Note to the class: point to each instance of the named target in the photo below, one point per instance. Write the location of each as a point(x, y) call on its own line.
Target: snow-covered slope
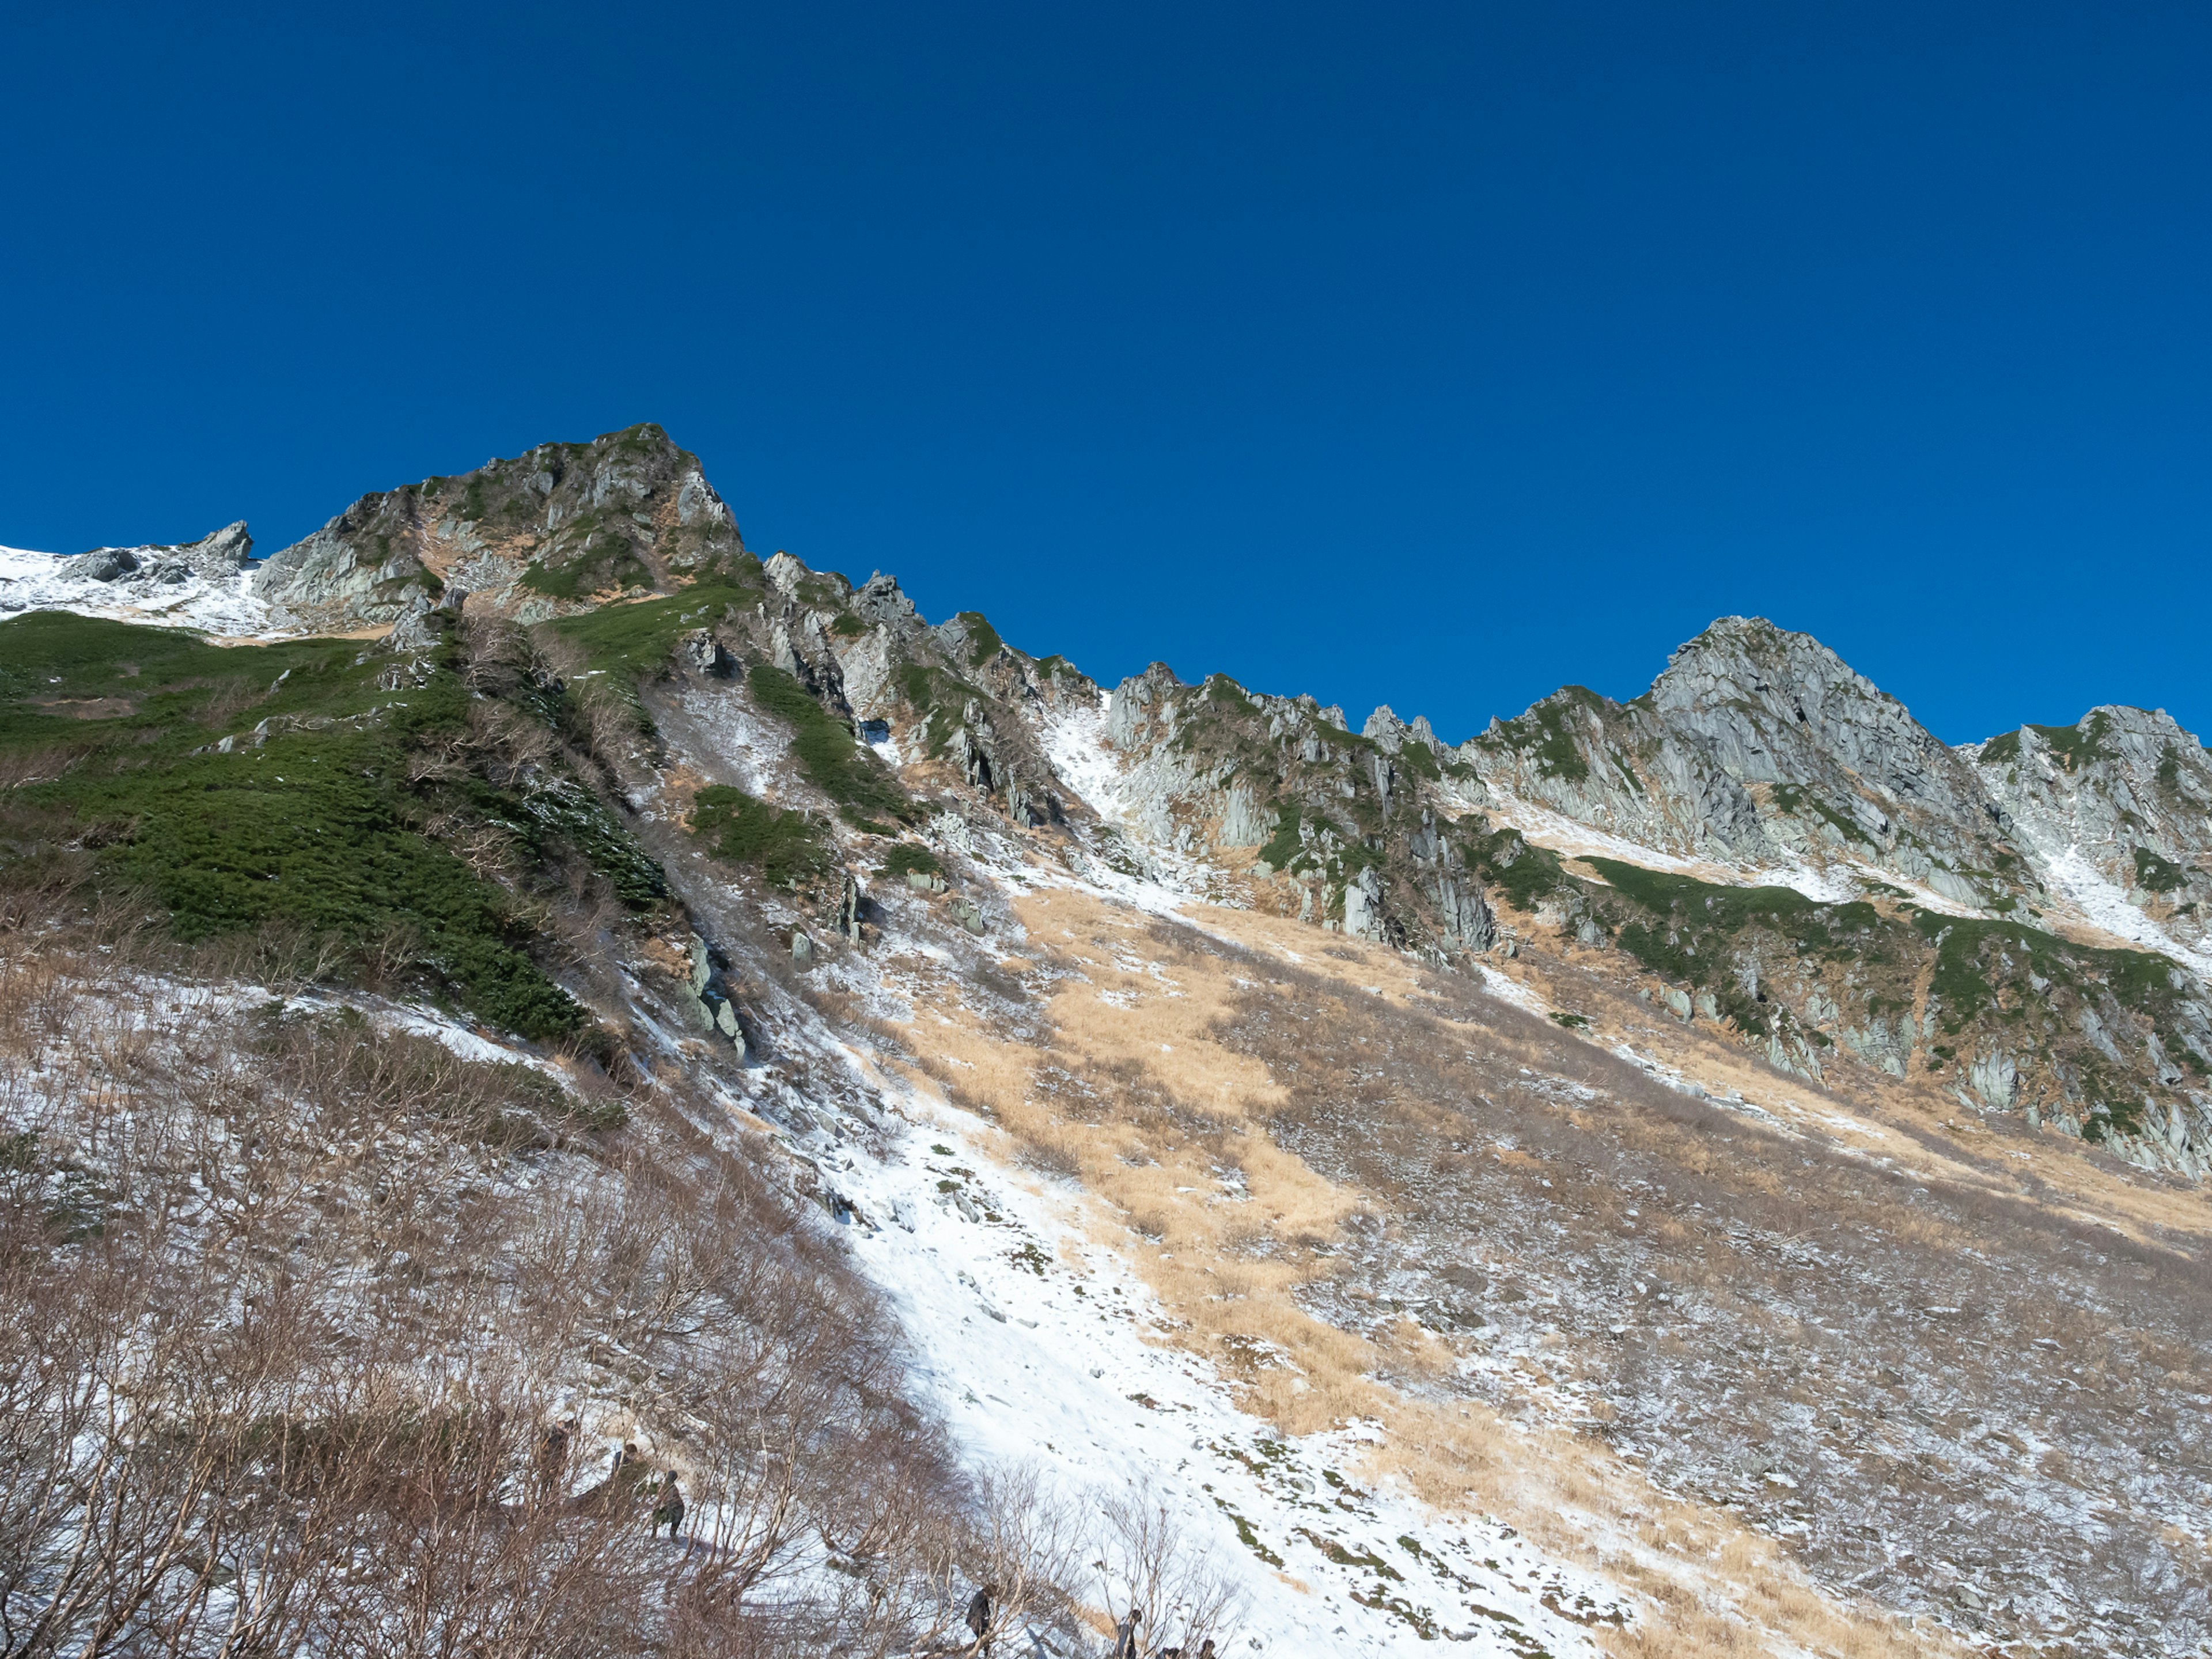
point(207, 585)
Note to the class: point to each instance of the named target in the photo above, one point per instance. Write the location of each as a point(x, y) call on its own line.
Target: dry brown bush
point(288, 1304)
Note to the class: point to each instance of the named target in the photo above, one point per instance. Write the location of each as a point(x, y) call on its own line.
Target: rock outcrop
point(546, 533)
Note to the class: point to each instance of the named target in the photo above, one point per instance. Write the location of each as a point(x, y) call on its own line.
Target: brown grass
point(1134, 1094)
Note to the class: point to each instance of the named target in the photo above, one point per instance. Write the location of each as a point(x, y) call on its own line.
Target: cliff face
point(545, 534)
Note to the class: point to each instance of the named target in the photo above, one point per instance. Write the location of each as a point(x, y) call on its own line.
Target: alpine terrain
point(565, 1089)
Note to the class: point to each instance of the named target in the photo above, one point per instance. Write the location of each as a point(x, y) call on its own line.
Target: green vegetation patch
point(1421, 760)
point(983, 641)
point(2155, 875)
point(1545, 730)
point(788, 847)
point(2077, 746)
point(1975, 957)
point(608, 563)
point(1285, 844)
point(911, 858)
point(837, 762)
point(635, 639)
point(1788, 797)
point(1517, 868)
point(562, 812)
point(1690, 930)
point(1220, 689)
point(2001, 751)
point(317, 828)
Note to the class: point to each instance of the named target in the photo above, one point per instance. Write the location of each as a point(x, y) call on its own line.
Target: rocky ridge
point(543, 535)
point(1764, 839)
point(205, 584)
point(757, 826)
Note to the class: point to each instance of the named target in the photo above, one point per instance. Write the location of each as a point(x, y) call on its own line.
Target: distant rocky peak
point(1748, 660)
point(1391, 735)
point(880, 601)
point(548, 533)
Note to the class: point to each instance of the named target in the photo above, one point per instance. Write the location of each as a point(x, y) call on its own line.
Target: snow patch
point(173, 596)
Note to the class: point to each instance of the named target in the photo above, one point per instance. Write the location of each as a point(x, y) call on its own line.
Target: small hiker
point(553, 1450)
point(628, 1454)
point(1128, 1641)
point(671, 1507)
point(979, 1619)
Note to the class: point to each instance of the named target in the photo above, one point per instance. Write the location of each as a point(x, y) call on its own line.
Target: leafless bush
point(288, 1306)
point(1151, 1573)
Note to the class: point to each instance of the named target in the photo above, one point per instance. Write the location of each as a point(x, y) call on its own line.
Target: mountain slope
point(1715, 1172)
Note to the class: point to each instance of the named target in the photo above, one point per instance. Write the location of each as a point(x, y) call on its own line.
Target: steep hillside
point(1719, 1173)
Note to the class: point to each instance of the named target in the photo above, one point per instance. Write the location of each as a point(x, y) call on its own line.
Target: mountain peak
point(547, 533)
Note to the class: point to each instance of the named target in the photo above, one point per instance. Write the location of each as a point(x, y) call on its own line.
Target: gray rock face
point(2124, 794)
point(534, 537)
point(1761, 746)
point(880, 604)
point(1363, 905)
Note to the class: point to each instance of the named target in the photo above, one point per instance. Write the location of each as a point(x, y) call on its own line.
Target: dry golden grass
point(1910, 1120)
point(1227, 1264)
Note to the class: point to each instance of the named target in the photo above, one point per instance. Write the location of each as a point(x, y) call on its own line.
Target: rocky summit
point(515, 990)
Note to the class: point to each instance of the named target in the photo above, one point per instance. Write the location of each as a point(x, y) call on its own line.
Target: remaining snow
point(1164, 879)
point(2105, 905)
point(224, 605)
point(1512, 991)
point(1038, 1350)
point(1564, 836)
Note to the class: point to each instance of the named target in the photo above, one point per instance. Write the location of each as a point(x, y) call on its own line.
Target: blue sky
point(1427, 354)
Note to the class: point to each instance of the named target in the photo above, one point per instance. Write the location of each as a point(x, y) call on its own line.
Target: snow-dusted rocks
point(206, 584)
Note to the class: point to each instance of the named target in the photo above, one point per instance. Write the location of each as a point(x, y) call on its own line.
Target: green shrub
point(911, 858)
point(1285, 845)
point(2154, 875)
point(843, 768)
point(1544, 730)
point(317, 828)
point(2077, 746)
point(629, 640)
point(788, 847)
point(984, 641)
point(1518, 869)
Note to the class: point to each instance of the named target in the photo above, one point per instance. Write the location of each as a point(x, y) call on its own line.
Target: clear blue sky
point(1433, 355)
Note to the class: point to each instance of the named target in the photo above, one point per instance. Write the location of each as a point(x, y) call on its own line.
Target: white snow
point(2102, 904)
point(1040, 1349)
point(1074, 740)
point(225, 605)
point(1512, 991)
point(1562, 834)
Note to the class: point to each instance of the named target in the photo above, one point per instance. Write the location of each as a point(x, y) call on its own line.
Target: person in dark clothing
point(670, 1509)
point(553, 1451)
point(979, 1619)
point(1128, 1641)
